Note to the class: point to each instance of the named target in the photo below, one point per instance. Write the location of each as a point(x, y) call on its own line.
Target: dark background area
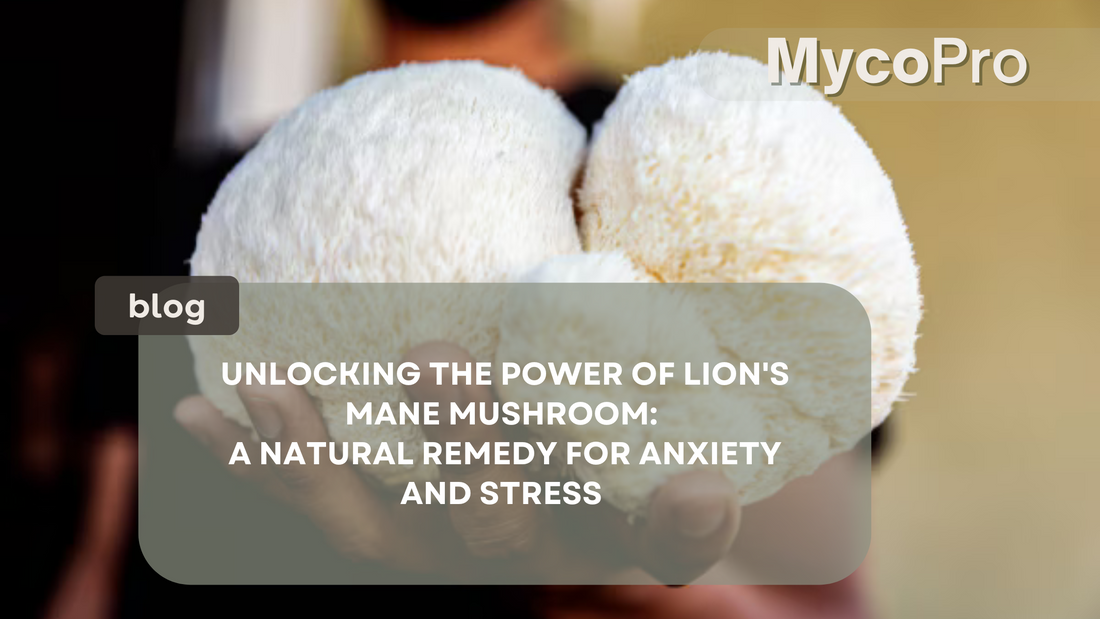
point(92, 90)
point(93, 87)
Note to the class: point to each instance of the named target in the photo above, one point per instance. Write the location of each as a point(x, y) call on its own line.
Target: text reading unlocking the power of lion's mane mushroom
point(509, 413)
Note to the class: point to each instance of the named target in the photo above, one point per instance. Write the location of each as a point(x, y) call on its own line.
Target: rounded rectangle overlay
point(410, 419)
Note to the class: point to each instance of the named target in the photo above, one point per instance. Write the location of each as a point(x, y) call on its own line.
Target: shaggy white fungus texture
point(443, 172)
point(701, 171)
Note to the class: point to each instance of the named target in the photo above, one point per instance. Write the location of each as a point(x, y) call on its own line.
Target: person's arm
point(88, 586)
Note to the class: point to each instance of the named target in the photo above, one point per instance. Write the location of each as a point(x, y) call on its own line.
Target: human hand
point(691, 525)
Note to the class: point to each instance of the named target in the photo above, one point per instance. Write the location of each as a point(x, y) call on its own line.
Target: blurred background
point(987, 498)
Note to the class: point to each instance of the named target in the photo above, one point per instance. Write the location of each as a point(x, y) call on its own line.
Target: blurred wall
point(988, 502)
point(247, 62)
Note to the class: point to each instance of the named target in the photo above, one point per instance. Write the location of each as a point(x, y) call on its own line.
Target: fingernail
point(265, 417)
point(700, 520)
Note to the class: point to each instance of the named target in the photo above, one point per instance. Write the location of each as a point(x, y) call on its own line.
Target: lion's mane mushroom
point(702, 171)
point(441, 172)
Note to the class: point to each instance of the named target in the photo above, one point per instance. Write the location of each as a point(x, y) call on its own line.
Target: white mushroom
point(701, 171)
point(443, 172)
